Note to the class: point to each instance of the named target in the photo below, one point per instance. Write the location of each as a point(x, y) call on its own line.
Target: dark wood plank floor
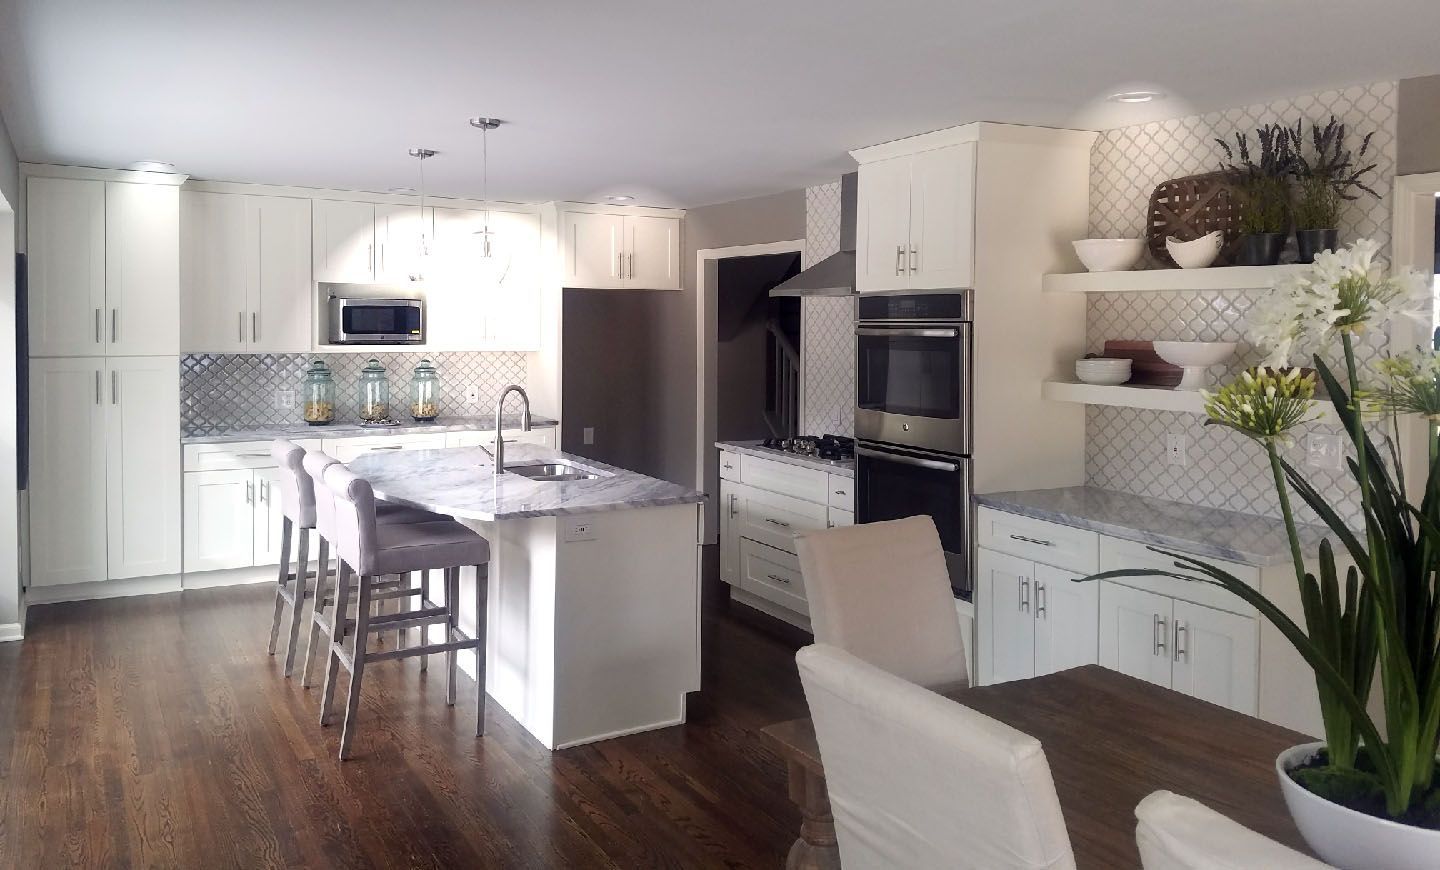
point(156, 732)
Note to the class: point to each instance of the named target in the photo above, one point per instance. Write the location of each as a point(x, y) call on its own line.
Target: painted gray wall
point(609, 373)
point(1417, 148)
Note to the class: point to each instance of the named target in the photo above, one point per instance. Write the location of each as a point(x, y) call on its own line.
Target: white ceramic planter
point(1348, 839)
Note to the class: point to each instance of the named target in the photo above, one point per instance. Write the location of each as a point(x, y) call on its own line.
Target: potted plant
point(1368, 796)
point(1325, 181)
point(1264, 188)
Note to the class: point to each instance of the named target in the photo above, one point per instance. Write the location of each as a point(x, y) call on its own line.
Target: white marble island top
point(295, 431)
point(461, 482)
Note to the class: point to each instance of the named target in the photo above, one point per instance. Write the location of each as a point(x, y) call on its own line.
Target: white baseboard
point(231, 577)
point(755, 602)
point(11, 631)
point(103, 589)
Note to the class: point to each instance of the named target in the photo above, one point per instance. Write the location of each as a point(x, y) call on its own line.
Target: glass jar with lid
point(374, 393)
point(425, 392)
point(317, 394)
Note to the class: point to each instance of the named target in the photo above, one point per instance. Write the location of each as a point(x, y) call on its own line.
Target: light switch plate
point(1324, 451)
point(1176, 450)
point(579, 530)
point(589, 434)
point(472, 394)
point(284, 399)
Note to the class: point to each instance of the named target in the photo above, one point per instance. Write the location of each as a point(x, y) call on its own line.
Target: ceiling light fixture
point(491, 268)
point(422, 255)
point(621, 197)
point(152, 166)
point(1135, 97)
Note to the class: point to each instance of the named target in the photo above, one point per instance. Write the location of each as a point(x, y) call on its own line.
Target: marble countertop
point(842, 468)
point(1220, 534)
point(355, 430)
point(461, 482)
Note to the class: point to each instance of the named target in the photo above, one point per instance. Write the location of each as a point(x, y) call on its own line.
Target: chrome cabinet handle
point(1159, 635)
point(779, 579)
point(390, 447)
point(114, 387)
point(733, 500)
point(114, 325)
point(254, 326)
point(370, 255)
point(97, 386)
point(264, 492)
point(841, 492)
point(1024, 590)
point(1180, 642)
point(620, 264)
point(899, 260)
point(728, 467)
point(240, 326)
point(914, 261)
point(1039, 600)
point(632, 265)
point(99, 338)
point(1039, 541)
point(249, 492)
point(779, 523)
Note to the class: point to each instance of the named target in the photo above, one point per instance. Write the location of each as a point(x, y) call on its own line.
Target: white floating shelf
point(1213, 278)
point(1152, 398)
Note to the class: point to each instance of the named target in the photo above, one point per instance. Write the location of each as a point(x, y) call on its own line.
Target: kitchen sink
point(551, 471)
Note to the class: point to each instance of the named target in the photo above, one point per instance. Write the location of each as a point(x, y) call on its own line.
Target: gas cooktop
point(836, 448)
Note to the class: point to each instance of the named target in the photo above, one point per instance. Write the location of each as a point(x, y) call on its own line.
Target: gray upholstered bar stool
point(371, 551)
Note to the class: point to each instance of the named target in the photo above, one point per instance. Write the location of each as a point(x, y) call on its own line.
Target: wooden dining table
point(1110, 740)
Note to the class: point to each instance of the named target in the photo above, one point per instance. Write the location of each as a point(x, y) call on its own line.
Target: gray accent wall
point(1418, 142)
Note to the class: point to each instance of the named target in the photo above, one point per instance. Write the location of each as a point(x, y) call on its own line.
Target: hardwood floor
point(156, 732)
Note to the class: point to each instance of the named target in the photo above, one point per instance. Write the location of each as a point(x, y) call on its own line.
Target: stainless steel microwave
point(376, 321)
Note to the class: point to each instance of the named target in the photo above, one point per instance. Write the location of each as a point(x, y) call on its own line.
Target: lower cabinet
point(1039, 620)
point(1202, 651)
point(232, 519)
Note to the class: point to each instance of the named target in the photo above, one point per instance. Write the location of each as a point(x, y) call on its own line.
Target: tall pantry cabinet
point(103, 324)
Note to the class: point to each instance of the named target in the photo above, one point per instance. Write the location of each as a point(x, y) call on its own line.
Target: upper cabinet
point(620, 251)
point(482, 287)
point(104, 267)
point(400, 230)
point(916, 221)
point(343, 241)
point(245, 269)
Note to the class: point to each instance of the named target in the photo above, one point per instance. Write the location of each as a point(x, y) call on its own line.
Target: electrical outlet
point(589, 434)
point(1176, 448)
point(1324, 451)
point(284, 399)
point(472, 394)
point(579, 530)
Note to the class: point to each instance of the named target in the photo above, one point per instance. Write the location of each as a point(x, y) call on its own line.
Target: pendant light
point(422, 255)
point(491, 264)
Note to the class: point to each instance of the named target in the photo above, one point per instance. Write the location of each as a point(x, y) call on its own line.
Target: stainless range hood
point(834, 275)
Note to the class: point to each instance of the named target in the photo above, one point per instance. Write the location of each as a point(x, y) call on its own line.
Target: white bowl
point(1195, 357)
point(1196, 254)
point(1105, 372)
point(1109, 255)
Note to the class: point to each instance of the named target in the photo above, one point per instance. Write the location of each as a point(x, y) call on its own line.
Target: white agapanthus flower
point(1342, 291)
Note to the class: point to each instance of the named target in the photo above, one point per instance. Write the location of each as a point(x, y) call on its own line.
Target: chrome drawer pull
point(1180, 645)
point(782, 525)
point(1032, 540)
point(784, 580)
point(1159, 635)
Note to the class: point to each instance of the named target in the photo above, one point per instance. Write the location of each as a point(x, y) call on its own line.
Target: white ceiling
point(679, 102)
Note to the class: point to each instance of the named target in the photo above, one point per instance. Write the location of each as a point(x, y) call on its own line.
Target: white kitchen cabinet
point(543, 437)
point(1215, 656)
point(65, 240)
point(67, 471)
point(1037, 620)
point(348, 449)
point(343, 241)
point(1067, 630)
point(773, 575)
point(730, 529)
point(841, 517)
point(1135, 632)
point(142, 469)
point(219, 520)
point(269, 517)
point(608, 251)
point(105, 268)
point(245, 267)
point(475, 305)
point(399, 230)
point(916, 221)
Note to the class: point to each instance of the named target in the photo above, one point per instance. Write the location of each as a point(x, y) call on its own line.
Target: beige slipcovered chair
point(919, 781)
point(881, 591)
point(1177, 833)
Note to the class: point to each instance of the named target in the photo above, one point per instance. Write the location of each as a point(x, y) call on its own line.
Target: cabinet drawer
point(793, 480)
point(346, 449)
point(775, 519)
point(1048, 543)
point(840, 517)
point(479, 438)
point(729, 465)
point(773, 575)
point(842, 492)
point(1116, 553)
point(236, 454)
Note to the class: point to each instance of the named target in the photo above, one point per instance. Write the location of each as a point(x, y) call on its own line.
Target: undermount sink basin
point(551, 471)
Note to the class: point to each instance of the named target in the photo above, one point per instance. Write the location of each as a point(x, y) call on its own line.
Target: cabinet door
point(214, 271)
point(142, 269)
point(942, 218)
point(279, 290)
point(730, 492)
point(841, 517)
point(593, 250)
point(143, 467)
point(400, 230)
point(343, 241)
point(652, 256)
point(1067, 621)
point(774, 519)
point(67, 471)
point(219, 520)
point(1135, 632)
point(269, 514)
point(512, 308)
point(882, 229)
point(65, 238)
point(1216, 656)
point(1007, 630)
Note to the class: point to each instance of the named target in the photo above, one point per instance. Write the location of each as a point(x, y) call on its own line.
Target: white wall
point(9, 496)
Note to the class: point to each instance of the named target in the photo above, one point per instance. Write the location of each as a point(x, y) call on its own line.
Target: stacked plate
point(1103, 371)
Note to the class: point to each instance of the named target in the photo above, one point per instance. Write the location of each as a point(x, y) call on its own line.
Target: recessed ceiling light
point(621, 197)
point(152, 166)
point(1135, 97)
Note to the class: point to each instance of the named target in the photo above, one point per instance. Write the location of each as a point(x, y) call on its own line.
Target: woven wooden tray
point(1188, 208)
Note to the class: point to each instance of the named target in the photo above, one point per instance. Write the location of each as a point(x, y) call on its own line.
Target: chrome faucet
point(499, 454)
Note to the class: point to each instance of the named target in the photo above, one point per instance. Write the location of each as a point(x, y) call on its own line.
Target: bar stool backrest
point(354, 537)
point(297, 492)
point(314, 465)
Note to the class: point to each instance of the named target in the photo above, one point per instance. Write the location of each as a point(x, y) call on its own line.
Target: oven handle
point(903, 459)
point(914, 331)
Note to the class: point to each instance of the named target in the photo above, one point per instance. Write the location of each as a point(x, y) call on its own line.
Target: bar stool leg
point(285, 531)
point(400, 638)
point(337, 637)
point(482, 592)
point(357, 667)
point(302, 568)
point(452, 604)
point(424, 629)
point(322, 577)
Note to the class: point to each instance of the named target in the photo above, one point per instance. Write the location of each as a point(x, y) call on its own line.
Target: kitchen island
point(594, 598)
